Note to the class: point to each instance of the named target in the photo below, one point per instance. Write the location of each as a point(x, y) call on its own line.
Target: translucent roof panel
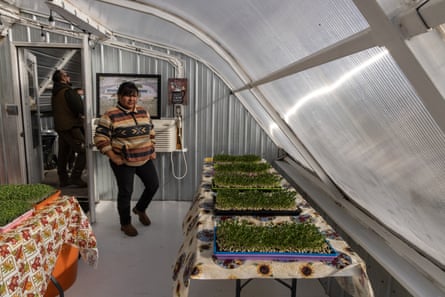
point(264, 119)
point(365, 125)
point(267, 35)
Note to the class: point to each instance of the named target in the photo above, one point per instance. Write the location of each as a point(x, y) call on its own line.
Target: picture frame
point(149, 86)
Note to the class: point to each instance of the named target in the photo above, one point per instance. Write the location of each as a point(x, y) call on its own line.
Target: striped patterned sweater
point(128, 133)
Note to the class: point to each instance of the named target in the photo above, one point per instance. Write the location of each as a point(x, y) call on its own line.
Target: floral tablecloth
point(29, 251)
point(196, 260)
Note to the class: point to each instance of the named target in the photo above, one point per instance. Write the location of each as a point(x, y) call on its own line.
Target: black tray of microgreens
point(246, 180)
point(225, 158)
point(232, 202)
point(242, 167)
point(239, 239)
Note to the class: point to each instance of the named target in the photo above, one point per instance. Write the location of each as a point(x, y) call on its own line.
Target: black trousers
point(69, 141)
point(125, 182)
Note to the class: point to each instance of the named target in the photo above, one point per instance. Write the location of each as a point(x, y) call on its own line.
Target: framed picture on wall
point(149, 86)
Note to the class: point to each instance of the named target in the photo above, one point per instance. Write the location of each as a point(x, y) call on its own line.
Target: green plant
point(242, 236)
point(16, 200)
point(246, 180)
point(236, 158)
point(11, 210)
point(33, 192)
point(242, 167)
point(233, 199)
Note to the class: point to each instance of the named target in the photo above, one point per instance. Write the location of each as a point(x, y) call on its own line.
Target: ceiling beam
point(59, 65)
point(388, 34)
point(80, 19)
point(351, 45)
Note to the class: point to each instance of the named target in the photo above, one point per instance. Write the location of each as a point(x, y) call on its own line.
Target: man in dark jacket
point(67, 107)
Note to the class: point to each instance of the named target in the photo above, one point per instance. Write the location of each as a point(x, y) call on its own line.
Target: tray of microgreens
point(19, 199)
point(246, 180)
point(242, 167)
point(256, 202)
point(225, 158)
point(241, 239)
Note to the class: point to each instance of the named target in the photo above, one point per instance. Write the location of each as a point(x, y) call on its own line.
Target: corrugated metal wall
point(214, 122)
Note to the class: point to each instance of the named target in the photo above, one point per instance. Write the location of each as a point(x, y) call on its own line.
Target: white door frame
point(28, 82)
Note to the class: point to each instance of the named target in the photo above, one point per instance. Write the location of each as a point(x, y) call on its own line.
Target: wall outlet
point(178, 110)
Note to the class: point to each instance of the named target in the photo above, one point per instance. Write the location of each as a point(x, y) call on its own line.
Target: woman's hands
point(115, 158)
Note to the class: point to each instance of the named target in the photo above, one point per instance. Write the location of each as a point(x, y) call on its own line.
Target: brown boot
point(129, 230)
point(143, 218)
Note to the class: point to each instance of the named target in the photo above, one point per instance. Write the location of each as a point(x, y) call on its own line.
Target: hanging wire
point(42, 34)
point(51, 20)
point(173, 164)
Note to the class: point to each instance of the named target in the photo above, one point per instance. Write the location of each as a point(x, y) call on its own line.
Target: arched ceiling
point(243, 40)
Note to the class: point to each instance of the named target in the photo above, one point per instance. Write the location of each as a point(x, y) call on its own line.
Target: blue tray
point(280, 256)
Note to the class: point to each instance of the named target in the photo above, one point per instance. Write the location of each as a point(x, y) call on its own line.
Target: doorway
point(36, 66)
point(31, 116)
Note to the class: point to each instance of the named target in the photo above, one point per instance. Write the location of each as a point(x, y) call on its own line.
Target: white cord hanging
point(173, 166)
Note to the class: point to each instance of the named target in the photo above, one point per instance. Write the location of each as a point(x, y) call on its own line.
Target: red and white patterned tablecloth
point(29, 251)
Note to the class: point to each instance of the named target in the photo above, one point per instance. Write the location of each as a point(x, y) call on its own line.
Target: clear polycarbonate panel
point(264, 119)
point(267, 35)
point(364, 123)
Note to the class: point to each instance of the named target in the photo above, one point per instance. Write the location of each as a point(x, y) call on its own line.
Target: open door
point(35, 82)
point(31, 115)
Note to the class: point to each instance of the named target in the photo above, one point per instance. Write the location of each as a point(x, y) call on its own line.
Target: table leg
point(292, 287)
point(240, 286)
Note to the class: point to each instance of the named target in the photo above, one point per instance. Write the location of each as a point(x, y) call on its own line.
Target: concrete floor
point(142, 265)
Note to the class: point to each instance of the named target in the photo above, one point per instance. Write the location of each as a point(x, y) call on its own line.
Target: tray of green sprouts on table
point(240, 238)
point(248, 185)
point(17, 202)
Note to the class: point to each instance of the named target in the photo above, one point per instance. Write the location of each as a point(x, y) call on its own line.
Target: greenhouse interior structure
point(345, 99)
